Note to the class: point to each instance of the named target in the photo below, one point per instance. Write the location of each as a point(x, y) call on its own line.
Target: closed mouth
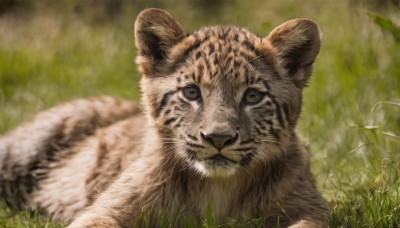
point(219, 159)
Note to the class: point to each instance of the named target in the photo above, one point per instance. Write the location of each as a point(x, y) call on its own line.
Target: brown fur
point(221, 107)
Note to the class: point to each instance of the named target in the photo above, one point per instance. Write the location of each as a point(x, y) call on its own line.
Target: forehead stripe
point(190, 49)
point(195, 46)
point(266, 85)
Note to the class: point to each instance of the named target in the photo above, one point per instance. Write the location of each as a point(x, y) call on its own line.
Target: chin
point(215, 170)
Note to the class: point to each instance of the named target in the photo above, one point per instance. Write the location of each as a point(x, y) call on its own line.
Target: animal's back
point(88, 168)
point(51, 160)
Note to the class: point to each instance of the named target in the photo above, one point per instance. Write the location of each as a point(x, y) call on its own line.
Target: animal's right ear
point(156, 32)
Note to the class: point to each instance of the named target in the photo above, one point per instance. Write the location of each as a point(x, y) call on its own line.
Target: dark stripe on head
point(278, 113)
point(268, 94)
point(249, 59)
point(249, 46)
point(266, 84)
point(245, 160)
point(191, 154)
point(178, 124)
point(192, 137)
point(195, 46)
point(259, 108)
point(223, 35)
point(208, 65)
point(258, 53)
point(189, 50)
point(236, 63)
point(200, 70)
point(216, 61)
point(193, 145)
point(246, 75)
point(252, 79)
point(229, 49)
point(259, 131)
point(286, 111)
point(274, 132)
point(163, 102)
point(211, 48)
point(269, 122)
point(169, 121)
point(198, 55)
point(246, 141)
point(257, 61)
point(243, 149)
point(236, 37)
point(259, 123)
point(278, 108)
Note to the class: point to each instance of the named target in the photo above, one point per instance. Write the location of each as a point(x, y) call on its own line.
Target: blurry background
point(53, 51)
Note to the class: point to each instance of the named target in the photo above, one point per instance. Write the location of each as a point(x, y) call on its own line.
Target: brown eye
point(253, 96)
point(191, 92)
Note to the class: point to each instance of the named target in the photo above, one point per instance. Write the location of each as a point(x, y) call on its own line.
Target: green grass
point(351, 112)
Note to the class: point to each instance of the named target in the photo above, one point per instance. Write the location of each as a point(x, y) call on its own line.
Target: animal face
point(225, 99)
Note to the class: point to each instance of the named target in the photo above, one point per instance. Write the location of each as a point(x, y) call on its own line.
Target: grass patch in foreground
point(21, 219)
point(185, 220)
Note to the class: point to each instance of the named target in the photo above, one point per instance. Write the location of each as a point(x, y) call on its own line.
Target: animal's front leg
point(122, 203)
point(107, 212)
point(94, 220)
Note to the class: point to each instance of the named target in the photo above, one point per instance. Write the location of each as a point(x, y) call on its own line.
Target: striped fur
point(221, 106)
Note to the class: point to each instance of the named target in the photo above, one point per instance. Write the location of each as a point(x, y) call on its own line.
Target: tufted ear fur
point(296, 45)
point(156, 31)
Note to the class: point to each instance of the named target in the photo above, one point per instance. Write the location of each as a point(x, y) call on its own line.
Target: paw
point(94, 221)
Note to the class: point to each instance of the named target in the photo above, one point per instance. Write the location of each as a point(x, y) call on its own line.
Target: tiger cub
point(218, 131)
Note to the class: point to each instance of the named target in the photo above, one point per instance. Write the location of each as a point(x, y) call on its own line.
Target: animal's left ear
point(296, 45)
